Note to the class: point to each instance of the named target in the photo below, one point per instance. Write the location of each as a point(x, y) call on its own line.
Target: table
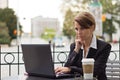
point(23, 77)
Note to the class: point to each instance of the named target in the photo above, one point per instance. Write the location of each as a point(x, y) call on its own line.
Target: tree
point(48, 34)
point(68, 28)
point(73, 5)
point(8, 16)
point(4, 34)
point(70, 8)
point(112, 9)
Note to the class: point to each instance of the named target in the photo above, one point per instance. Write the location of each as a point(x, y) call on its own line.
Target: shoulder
point(72, 45)
point(102, 44)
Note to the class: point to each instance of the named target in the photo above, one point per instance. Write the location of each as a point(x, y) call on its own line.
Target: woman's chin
point(82, 41)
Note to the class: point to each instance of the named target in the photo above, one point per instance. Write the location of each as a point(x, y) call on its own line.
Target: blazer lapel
point(91, 53)
point(81, 54)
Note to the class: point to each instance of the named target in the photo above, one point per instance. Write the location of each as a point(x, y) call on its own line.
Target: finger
point(57, 70)
point(78, 41)
point(26, 74)
point(57, 73)
point(76, 37)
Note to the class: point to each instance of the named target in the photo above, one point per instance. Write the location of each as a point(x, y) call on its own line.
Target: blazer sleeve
point(73, 58)
point(101, 60)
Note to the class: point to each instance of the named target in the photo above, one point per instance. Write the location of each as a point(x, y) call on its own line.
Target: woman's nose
point(79, 31)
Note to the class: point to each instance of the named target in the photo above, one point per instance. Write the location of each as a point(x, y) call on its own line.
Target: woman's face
point(83, 34)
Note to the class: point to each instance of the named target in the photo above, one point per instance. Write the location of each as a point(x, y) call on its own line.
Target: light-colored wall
point(38, 24)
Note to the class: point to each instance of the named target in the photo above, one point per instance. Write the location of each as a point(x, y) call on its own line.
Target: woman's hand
point(78, 44)
point(60, 70)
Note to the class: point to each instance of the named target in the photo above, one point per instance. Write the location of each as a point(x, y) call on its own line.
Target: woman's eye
point(76, 29)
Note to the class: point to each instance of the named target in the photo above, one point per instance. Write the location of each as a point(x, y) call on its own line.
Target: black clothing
point(100, 56)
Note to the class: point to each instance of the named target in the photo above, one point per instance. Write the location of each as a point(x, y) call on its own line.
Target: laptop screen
point(38, 59)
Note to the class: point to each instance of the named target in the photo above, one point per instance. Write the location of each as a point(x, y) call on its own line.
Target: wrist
point(69, 69)
point(76, 50)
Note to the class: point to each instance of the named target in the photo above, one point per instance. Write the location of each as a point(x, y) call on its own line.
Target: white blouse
point(92, 45)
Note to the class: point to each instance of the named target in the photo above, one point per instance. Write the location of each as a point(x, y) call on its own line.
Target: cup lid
point(88, 60)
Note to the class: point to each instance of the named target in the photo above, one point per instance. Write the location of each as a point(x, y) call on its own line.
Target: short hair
point(85, 20)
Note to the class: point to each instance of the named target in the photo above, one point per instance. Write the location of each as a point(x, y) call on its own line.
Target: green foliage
point(114, 11)
point(74, 5)
point(71, 8)
point(109, 27)
point(8, 16)
point(68, 29)
point(48, 34)
point(4, 34)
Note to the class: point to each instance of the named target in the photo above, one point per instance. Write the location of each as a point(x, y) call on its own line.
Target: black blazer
point(100, 56)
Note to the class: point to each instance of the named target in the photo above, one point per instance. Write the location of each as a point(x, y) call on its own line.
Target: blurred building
point(3, 3)
point(38, 24)
point(95, 7)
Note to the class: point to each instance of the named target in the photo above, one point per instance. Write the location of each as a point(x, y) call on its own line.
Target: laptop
point(38, 61)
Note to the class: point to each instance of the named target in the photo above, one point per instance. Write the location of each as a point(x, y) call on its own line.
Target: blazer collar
point(93, 43)
point(91, 53)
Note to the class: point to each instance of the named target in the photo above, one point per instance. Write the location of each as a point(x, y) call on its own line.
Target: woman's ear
point(93, 26)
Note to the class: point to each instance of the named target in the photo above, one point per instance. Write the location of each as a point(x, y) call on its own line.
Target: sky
point(27, 9)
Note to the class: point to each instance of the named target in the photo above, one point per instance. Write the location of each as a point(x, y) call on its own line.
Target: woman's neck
point(88, 42)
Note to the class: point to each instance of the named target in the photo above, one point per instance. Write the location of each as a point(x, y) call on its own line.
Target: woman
point(86, 45)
